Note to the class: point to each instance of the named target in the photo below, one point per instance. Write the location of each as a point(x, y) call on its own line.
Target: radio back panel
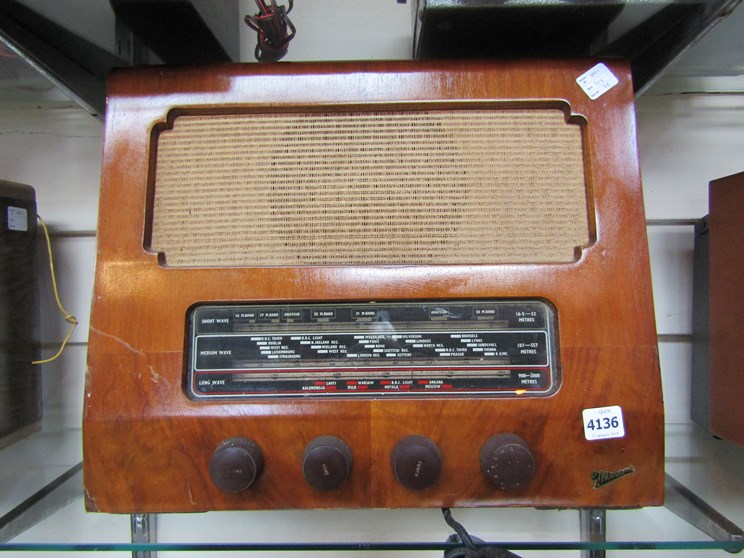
point(400, 284)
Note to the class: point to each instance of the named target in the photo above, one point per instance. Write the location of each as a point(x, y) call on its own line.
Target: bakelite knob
point(417, 462)
point(235, 464)
point(506, 459)
point(326, 462)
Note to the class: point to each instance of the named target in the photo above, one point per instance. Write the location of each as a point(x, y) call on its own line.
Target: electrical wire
point(458, 528)
point(69, 318)
point(274, 29)
point(472, 547)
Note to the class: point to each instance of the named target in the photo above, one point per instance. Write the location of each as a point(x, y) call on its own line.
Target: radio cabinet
point(371, 285)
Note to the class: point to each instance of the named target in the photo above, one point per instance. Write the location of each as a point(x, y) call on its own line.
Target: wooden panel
point(147, 446)
point(726, 280)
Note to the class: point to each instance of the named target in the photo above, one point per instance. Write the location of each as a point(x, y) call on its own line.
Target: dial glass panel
point(402, 349)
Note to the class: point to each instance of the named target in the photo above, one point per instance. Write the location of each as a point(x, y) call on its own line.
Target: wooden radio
point(398, 284)
point(717, 350)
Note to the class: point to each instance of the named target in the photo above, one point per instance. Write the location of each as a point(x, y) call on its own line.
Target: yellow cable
point(69, 318)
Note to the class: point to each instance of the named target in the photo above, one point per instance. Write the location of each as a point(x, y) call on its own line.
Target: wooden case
point(147, 445)
point(718, 306)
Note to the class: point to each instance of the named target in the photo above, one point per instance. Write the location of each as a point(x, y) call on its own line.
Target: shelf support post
point(593, 529)
point(144, 531)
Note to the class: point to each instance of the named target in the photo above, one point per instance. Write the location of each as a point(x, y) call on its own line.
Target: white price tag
point(603, 423)
point(597, 81)
point(17, 219)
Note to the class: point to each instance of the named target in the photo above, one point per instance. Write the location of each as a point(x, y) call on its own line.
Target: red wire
point(274, 29)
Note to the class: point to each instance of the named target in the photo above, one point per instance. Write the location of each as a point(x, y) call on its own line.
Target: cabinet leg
point(593, 529)
point(144, 530)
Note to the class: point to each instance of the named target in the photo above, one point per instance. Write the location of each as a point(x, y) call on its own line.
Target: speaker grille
point(398, 187)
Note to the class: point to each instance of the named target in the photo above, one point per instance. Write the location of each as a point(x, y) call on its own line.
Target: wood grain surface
point(147, 446)
point(726, 270)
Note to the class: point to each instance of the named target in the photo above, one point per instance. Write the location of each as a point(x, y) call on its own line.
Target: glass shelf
point(713, 469)
point(651, 34)
point(368, 547)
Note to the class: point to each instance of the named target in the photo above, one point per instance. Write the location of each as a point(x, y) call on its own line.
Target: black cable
point(458, 528)
point(474, 547)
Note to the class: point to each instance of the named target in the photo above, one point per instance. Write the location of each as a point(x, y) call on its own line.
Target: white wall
point(685, 141)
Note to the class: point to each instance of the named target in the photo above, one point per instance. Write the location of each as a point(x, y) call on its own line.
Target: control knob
point(506, 459)
point(326, 462)
point(417, 462)
point(235, 464)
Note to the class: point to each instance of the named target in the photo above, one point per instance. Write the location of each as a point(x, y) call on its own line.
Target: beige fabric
point(403, 187)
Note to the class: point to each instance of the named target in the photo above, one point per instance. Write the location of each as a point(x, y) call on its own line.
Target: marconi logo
point(602, 478)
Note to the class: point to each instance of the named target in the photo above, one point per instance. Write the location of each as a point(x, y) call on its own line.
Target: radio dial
point(417, 462)
point(506, 459)
point(326, 462)
point(235, 464)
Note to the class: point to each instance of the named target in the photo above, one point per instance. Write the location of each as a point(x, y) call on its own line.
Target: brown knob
point(326, 462)
point(416, 462)
point(235, 464)
point(506, 459)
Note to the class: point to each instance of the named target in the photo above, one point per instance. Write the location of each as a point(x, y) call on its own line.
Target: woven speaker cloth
point(367, 188)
